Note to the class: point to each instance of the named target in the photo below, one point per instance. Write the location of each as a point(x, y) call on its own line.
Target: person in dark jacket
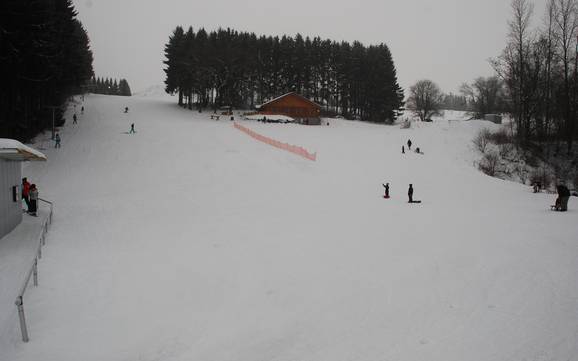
point(74, 119)
point(563, 196)
point(409, 144)
point(402, 149)
point(410, 193)
point(386, 186)
point(33, 200)
point(57, 141)
point(25, 193)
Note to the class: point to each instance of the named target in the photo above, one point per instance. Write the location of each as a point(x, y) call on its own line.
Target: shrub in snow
point(482, 139)
point(506, 150)
point(500, 137)
point(489, 163)
point(541, 176)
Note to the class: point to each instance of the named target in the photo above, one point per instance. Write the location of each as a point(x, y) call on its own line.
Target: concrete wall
point(10, 211)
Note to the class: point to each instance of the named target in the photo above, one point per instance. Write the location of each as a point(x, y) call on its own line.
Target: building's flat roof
point(12, 149)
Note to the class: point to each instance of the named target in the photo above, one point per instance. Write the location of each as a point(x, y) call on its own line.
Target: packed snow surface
point(191, 241)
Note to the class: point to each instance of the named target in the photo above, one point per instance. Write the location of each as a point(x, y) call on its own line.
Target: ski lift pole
point(53, 107)
point(23, 329)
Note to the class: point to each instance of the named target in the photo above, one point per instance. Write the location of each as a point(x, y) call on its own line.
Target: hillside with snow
point(190, 240)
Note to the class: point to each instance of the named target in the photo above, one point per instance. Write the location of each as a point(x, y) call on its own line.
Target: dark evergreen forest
point(109, 86)
point(44, 59)
point(239, 69)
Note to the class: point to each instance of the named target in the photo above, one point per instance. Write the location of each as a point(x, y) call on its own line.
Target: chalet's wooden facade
point(293, 105)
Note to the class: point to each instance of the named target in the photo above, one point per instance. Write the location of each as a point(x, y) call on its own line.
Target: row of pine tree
point(109, 86)
point(45, 58)
point(230, 68)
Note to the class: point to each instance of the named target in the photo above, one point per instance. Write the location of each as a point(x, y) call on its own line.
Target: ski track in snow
point(191, 241)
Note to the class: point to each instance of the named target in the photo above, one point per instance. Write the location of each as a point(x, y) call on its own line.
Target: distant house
point(295, 106)
point(12, 154)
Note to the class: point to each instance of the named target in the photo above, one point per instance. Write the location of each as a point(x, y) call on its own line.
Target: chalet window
point(15, 193)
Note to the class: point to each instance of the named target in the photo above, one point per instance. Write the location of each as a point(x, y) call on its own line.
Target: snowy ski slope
point(190, 240)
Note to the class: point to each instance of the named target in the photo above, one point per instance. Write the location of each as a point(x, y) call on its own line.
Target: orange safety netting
point(288, 147)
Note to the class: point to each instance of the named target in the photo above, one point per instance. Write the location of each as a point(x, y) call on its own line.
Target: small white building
point(12, 154)
point(495, 118)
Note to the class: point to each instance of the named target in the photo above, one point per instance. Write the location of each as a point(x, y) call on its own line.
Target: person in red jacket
point(26, 193)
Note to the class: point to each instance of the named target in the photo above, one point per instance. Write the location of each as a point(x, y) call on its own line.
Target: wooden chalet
point(295, 106)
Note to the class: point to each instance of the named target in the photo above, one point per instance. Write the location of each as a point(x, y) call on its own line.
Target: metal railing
point(33, 271)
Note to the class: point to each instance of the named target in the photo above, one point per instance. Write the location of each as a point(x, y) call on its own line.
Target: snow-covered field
point(190, 240)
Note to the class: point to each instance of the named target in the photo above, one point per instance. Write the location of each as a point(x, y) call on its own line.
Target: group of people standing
point(409, 143)
point(410, 188)
point(409, 193)
point(30, 196)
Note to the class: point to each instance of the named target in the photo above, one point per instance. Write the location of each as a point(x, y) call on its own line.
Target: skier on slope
point(57, 141)
point(409, 144)
point(410, 193)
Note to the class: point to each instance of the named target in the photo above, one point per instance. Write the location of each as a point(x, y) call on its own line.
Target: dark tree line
point(539, 72)
point(453, 101)
point(226, 67)
point(44, 59)
point(109, 86)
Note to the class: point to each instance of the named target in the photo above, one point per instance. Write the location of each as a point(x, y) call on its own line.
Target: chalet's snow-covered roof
point(14, 150)
point(284, 95)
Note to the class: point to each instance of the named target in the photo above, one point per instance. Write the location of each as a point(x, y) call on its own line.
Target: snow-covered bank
point(190, 241)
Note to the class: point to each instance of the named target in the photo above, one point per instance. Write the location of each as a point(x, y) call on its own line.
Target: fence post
point(20, 305)
point(35, 272)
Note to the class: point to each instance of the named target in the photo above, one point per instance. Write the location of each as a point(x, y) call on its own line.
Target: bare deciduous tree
point(484, 94)
point(566, 26)
point(512, 65)
point(425, 99)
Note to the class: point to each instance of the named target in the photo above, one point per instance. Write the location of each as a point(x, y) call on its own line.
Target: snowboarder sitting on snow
point(562, 200)
point(126, 109)
point(386, 186)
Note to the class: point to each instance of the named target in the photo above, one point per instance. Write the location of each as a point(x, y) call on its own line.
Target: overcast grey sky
point(447, 41)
